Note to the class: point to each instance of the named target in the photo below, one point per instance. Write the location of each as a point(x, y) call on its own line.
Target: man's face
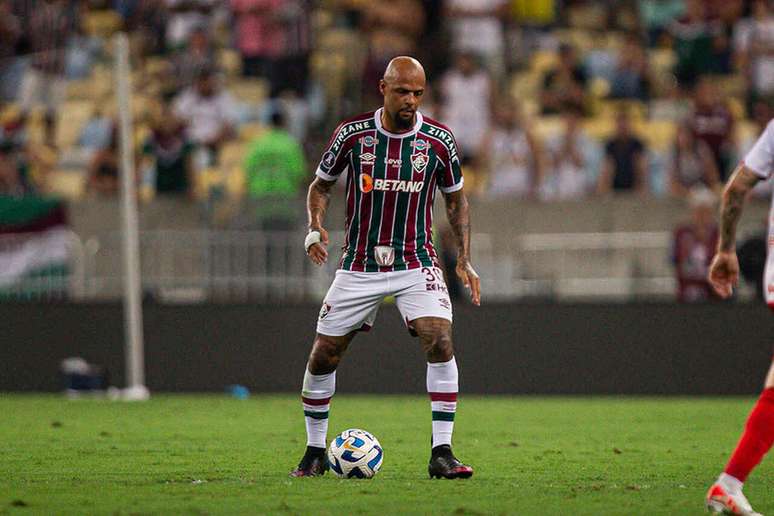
point(402, 97)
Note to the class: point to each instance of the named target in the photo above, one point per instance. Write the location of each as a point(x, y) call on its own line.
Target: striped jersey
point(391, 184)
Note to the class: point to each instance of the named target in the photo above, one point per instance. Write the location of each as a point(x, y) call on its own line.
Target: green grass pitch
point(217, 455)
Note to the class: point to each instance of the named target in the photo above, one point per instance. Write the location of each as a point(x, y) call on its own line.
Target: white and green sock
point(442, 386)
point(316, 397)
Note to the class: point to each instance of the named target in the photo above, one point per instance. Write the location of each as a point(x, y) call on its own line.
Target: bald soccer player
point(725, 495)
point(396, 158)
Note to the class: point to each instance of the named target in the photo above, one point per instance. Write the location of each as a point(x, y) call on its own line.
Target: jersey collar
point(412, 132)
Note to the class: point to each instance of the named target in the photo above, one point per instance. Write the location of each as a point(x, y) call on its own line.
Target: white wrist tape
point(313, 237)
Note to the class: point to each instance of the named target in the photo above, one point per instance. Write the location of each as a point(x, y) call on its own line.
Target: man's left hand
point(470, 279)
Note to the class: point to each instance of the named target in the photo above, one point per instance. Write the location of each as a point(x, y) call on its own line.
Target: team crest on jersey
point(419, 162)
point(367, 158)
point(325, 310)
point(328, 159)
point(420, 145)
point(368, 141)
point(366, 183)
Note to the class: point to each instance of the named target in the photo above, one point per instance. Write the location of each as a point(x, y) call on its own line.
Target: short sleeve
point(334, 159)
point(760, 159)
point(450, 177)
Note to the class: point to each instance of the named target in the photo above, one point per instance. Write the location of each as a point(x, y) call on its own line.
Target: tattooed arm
point(724, 270)
point(458, 213)
point(316, 204)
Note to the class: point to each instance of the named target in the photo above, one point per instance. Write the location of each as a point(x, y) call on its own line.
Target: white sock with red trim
point(442, 386)
point(316, 397)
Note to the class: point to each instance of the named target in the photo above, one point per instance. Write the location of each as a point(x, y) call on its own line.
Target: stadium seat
point(659, 134)
point(250, 90)
point(73, 115)
point(69, 183)
point(542, 61)
point(548, 127)
point(102, 23)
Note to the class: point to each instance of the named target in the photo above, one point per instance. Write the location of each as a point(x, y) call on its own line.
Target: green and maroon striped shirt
point(391, 185)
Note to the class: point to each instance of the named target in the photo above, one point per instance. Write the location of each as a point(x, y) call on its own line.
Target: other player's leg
point(442, 386)
point(726, 495)
point(318, 388)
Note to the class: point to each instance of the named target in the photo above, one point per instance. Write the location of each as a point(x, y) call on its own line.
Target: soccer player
point(726, 495)
point(396, 159)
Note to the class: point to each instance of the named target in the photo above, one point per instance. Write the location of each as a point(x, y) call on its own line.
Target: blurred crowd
point(549, 99)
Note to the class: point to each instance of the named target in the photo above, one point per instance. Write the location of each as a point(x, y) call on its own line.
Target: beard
point(402, 122)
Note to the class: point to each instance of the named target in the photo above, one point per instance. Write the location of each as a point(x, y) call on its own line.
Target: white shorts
point(353, 299)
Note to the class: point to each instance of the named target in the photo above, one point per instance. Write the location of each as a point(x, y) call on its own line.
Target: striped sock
point(316, 399)
point(442, 387)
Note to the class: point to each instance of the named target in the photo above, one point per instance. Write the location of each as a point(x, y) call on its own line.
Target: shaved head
point(403, 85)
point(404, 68)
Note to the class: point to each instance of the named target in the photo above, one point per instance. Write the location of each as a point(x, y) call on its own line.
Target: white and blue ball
point(355, 454)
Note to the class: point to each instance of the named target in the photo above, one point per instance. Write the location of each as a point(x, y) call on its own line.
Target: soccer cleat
point(314, 463)
point(721, 500)
point(443, 464)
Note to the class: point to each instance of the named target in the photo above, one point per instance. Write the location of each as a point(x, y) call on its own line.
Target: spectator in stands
point(656, 16)
point(210, 116)
point(694, 246)
point(477, 28)
point(391, 29)
point(567, 175)
point(49, 29)
point(275, 170)
point(466, 99)
point(691, 164)
point(103, 170)
point(510, 154)
point(713, 123)
point(145, 21)
point(624, 167)
point(259, 37)
point(754, 48)
point(198, 55)
point(695, 42)
point(10, 35)
point(631, 77)
point(292, 70)
point(167, 154)
point(82, 52)
point(184, 16)
point(564, 87)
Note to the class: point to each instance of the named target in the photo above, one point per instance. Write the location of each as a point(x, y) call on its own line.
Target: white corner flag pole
point(135, 364)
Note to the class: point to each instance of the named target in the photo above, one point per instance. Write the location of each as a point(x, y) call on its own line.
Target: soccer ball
point(355, 454)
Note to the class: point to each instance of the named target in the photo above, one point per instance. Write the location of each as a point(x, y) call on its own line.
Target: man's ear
point(382, 86)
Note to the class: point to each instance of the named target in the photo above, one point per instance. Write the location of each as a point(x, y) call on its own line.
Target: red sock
point(757, 438)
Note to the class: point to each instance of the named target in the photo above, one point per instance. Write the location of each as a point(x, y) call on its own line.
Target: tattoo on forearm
point(730, 213)
point(317, 203)
point(459, 218)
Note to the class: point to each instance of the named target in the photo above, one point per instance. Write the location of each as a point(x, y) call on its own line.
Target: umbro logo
point(367, 158)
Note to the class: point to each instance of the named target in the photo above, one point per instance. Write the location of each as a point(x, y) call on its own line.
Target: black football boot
point(443, 464)
point(314, 463)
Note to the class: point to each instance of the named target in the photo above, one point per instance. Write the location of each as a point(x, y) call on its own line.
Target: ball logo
point(368, 141)
point(366, 183)
point(328, 160)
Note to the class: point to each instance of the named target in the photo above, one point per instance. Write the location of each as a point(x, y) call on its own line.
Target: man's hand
point(317, 252)
point(470, 279)
point(724, 273)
